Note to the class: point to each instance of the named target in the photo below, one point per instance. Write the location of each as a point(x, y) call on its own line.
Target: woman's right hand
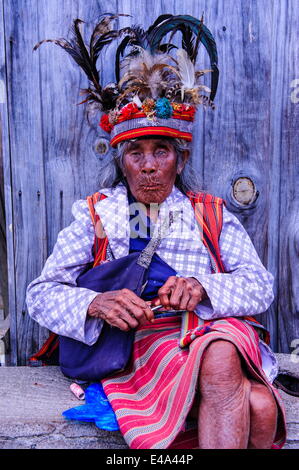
point(121, 308)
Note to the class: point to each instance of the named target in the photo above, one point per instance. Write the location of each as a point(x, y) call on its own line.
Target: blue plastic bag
point(97, 409)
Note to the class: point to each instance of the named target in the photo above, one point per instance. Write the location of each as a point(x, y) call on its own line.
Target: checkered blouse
point(54, 300)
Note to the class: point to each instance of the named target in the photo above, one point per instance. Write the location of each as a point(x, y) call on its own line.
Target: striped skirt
point(153, 396)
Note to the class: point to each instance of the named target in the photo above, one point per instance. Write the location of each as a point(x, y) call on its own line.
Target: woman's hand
point(180, 293)
point(122, 309)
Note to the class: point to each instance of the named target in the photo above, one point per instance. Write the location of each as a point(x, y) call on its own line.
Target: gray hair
point(111, 173)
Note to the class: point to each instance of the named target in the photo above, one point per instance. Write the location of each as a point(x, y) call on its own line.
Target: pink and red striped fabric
point(153, 397)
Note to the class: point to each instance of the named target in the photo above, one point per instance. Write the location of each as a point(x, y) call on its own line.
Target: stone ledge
point(32, 400)
point(288, 363)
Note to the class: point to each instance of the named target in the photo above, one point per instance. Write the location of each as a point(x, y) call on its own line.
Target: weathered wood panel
point(7, 278)
point(3, 249)
point(48, 147)
point(288, 261)
point(29, 224)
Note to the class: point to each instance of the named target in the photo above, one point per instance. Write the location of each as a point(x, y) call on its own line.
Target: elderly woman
point(218, 373)
point(235, 404)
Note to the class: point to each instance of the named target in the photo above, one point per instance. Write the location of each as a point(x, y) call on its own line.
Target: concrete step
point(33, 398)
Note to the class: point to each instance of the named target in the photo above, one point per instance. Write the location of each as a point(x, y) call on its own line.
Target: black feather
point(102, 41)
point(86, 62)
point(158, 21)
point(165, 48)
point(76, 48)
point(119, 53)
point(100, 30)
point(198, 40)
point(202, 33)
point(187, 40)
point(136, 36)
point(103, 34)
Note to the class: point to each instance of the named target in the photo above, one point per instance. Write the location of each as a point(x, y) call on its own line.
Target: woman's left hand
point(180, 293)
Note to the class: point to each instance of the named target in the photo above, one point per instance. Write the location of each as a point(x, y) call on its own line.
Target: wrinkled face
point(150, 167)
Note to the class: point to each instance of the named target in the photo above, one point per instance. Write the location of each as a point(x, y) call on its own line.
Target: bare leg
point(263, 417)
point(224, 412)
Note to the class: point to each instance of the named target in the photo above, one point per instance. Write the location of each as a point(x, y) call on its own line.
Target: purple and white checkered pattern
point(55, 301)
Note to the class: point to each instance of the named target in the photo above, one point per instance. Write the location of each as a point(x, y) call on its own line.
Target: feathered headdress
point(157, 87)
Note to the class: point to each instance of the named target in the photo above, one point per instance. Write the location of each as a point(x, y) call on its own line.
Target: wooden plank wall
point(288, 199)
point(6, 252)
point(3, 249)
point(50, 158)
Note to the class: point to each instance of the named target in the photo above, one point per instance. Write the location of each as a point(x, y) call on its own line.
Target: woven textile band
point(183, 116)
point(133, 128)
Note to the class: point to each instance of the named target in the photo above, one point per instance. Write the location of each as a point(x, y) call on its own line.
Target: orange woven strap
point(100, 242)
point(46, 351)
point(262, 331)
point(208, 212)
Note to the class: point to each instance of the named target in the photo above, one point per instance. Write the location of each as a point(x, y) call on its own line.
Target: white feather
point(137, 101)
point(186, 69)
point(154, 82)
